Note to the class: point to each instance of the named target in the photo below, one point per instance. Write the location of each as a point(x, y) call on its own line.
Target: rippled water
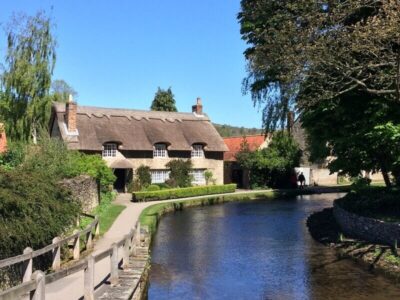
point(254, 250)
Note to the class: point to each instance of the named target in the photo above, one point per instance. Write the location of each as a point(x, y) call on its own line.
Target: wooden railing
point(34, 285)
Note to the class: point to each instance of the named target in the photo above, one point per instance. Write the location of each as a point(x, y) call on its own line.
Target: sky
point(117, 53)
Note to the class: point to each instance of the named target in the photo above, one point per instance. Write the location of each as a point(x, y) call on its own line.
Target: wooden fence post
point(97, 227)
point(89, 240)
point(39, 292)
point(89, 279)
point(56, 255)
point(133, 243)
point(77, 250)
point(138, 234)
point(114, 265)
point(27, 266)
point(125, 257)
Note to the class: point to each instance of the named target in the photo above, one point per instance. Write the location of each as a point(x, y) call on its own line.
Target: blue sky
point(116, 53)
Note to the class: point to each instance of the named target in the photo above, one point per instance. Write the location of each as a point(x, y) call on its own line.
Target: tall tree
point(60, 91)
point(26, 80)
point(350, 46)
point(329, 58)
point(164, 101)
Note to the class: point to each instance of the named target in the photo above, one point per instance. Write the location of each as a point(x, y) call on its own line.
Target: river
point(254, 250)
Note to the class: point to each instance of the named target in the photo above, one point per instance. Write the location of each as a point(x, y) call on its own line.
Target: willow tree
point(26, 81)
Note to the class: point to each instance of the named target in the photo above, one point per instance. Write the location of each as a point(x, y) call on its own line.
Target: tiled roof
point(234, 143)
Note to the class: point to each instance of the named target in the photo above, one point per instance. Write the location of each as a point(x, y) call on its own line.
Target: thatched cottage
point(128, 138)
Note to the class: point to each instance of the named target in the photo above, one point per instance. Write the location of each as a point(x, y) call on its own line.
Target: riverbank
point(151, 215)
point(377, 258)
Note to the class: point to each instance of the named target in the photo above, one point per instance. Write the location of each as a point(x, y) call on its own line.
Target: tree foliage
point(60, 91)
point(179, 175)
point(164, 101)
point(34, 209)
point(30, 59)
point(143, 176)
point(358, 131)
point(343, 46)
point(273, 165)
point(337, 63)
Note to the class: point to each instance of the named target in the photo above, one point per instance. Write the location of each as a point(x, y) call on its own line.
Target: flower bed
point(183, 192)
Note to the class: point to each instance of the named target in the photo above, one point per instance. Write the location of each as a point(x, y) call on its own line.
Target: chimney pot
point(198, 108)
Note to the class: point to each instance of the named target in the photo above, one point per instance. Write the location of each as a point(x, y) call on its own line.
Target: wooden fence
point(33, 284)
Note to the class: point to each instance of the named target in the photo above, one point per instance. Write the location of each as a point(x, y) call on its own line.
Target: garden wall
point(368, 229)
point(85, 190)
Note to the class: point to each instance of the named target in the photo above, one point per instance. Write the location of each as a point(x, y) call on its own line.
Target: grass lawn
point(107, 212)
point(108, 217)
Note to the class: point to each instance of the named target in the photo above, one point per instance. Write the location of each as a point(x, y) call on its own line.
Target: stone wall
point(85, 190)
point(368, 229)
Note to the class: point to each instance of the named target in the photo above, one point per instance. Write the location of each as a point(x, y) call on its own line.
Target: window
point(197, 150)
point(159, 176)
point(160, 150)
point(198, 176)
point(110, 150)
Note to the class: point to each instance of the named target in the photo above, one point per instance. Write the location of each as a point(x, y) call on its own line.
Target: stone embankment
point(348, 242)
point(364, 228)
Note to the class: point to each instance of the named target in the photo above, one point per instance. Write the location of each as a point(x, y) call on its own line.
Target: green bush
point(51, 158)
point(179, 175)
point(375, 202)
point(92, 165)
point(162, 186)
point(33, 209)
point(152, 188)
point(183, 192)
point(143, 176)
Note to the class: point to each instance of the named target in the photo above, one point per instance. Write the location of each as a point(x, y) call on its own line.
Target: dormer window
point(110, 150)
point(197, 150)
point(160, 150)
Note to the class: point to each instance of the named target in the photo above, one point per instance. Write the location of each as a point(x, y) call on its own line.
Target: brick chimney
point(71, 110)
point(198, 108)
point(3, 139)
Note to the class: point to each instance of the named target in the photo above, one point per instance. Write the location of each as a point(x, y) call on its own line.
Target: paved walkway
point(71, 287)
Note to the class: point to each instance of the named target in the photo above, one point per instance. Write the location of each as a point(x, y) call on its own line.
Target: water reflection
point(254, 250)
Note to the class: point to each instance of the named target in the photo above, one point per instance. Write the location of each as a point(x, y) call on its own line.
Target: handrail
point(129, 243)
point(32, 254)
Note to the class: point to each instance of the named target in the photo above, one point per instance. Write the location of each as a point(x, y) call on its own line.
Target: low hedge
point(183, 192)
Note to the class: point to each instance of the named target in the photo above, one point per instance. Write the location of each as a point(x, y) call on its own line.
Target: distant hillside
point(227, 130)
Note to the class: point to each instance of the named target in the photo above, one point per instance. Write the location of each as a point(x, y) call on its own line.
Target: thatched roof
point(137, 129)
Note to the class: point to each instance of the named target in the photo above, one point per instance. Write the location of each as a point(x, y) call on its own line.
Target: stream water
point(254, 250)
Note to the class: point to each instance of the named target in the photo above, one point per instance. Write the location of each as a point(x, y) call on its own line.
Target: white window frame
point(109, 150)
point(159, 176)
point(160, 151)
point(198, 176)
point(197, 151)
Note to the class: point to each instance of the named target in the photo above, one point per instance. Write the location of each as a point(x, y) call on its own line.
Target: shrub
point(372, 202)
point(143, 176)
point(208, 175)
point(361, 182)
point(162, 186)
point(13, 157)
point(34, 209)
point(183, 192)
point(92, 165)
point(51, 158)
point(180, 173)
point(152, 187)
